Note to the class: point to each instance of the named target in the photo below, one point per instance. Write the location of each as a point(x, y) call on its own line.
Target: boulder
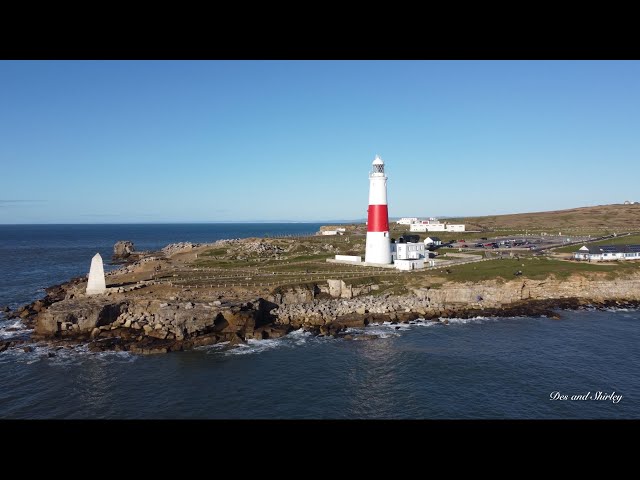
point(123, 249)
point(82, 315)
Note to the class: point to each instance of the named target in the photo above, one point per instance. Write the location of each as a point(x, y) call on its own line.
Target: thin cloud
point(16, 203)
point(118, 215)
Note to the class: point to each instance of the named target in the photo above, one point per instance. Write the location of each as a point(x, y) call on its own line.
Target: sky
point(218, 141)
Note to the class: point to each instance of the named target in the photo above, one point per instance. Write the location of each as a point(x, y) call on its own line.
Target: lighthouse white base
point(378, 248)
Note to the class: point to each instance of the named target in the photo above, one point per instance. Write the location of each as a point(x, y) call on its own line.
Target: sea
point(583, 366)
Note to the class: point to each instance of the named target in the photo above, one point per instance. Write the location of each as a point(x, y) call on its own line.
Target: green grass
point(302, 264)
point(622, 240)
point(214, 252)
point(537, 269)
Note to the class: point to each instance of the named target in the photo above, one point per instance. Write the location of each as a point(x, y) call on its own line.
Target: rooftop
point(598, 249)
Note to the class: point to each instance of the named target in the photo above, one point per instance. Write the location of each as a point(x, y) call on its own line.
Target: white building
point(337, 231)
point(432, 241)
point(436, 227)
point(604, 253)
point(408, 256)
point(349, 258)
point(407, 220)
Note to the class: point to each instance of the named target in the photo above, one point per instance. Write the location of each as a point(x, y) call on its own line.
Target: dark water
point(480, 368)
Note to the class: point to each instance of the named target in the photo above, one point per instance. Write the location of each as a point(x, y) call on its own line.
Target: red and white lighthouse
point(378, 248)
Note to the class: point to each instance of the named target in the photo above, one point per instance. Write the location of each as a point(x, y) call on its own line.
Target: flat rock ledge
point(153, 326)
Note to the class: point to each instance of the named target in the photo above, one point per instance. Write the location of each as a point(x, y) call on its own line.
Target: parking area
point(524, 243)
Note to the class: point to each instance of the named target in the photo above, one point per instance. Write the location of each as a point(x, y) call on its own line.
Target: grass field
point(263, 265)
point(533, 268)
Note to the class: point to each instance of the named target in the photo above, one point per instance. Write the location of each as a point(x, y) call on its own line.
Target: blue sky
point(178, 141)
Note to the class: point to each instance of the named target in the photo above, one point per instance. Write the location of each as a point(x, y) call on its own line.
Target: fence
point(237, 278)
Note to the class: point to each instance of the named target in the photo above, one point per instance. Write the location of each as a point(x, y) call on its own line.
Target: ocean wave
point(216, 347)
point(61, 356)
point(621, 309)
point(421, 322)
point(70, 356)
point(293, 339)
point(389, 329)
point(12, 329)
point(464, 321)
point(382, 330)
point(255, 346)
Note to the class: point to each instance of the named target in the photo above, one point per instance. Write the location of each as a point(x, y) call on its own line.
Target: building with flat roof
point(408, 256)
point(604, 253)
point(434, 225)
point(407, 220)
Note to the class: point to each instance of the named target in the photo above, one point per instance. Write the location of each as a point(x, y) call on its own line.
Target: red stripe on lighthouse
point(378, 218)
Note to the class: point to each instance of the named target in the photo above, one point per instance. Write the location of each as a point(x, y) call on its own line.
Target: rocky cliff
point(145, 324)
point(493, 298)
point(150, 326)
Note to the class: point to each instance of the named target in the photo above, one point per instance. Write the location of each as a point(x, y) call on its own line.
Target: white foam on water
point(295, 338)
point(61, 356)
point(254, 346)
point(463, 321)
point(381, 330)
point(388, 329)
point(215, 348)
point(69, 356)
point(301, 337)
point(37, 353)
point(421, 322)
point(13, 328)
point(390, 326)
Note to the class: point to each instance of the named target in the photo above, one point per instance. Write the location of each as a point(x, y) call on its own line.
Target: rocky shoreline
point(140, 317)
point(153, 326)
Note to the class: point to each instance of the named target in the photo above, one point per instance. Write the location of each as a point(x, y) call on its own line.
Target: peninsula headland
point(188, 295)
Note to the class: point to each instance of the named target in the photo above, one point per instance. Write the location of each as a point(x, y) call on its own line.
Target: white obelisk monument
point(96, 284)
